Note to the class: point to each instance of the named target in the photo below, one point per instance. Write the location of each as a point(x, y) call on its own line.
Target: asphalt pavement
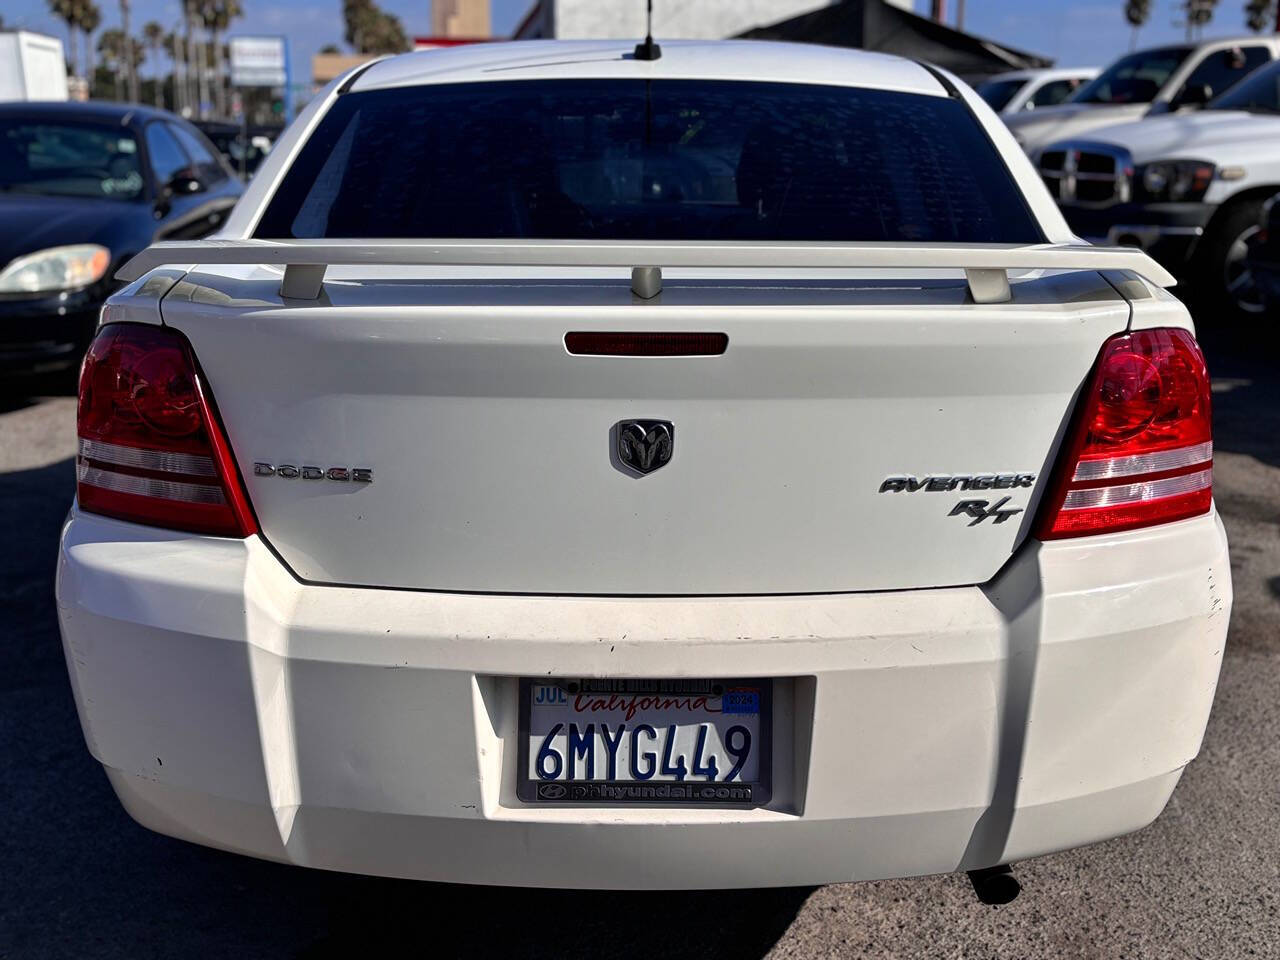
point(78, 879)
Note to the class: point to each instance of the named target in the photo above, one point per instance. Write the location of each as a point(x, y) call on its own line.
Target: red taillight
point(1141, 451)
point(151, 450)
point(645, 344)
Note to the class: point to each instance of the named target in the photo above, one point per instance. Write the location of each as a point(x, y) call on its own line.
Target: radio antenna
point(648, 50)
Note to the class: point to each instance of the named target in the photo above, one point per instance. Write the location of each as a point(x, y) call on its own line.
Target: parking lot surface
point(80, 879)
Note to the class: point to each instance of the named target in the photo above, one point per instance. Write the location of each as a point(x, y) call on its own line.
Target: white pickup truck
point(583, 467)
point(1187, 188)
point(1173, 79)
point(1019, 91)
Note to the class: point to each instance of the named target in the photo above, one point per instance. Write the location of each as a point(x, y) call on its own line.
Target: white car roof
point(681, 59)
point(1047, 73)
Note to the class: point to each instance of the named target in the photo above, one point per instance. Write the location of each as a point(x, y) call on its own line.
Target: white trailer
point(32, 67)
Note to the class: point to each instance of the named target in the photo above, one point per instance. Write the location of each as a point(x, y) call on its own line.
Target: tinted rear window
point(649, 160)
point(57, 159)
point(1136, 78)
point(1259, 93)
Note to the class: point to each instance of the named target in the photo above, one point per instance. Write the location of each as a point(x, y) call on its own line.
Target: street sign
point(259, 62)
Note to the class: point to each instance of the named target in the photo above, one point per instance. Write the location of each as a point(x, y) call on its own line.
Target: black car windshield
point(66, 159)
point(998, 93)
point(1257, 93)
point(1136, 78)
point(651, 160)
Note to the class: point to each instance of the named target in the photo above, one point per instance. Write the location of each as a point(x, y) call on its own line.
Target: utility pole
point(960, 14)
point(940, 11)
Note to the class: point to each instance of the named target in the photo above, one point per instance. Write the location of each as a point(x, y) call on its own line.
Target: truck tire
point(1223, 271)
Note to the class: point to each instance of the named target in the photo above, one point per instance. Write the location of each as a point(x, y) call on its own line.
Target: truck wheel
point(1224, 268)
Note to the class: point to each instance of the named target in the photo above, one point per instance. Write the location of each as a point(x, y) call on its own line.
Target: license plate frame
point(666, 793)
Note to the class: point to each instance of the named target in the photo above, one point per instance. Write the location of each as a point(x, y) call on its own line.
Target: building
point(460, 18)
point(453, 22)
point(329, 66)
point(672, 19)
point(889, 28)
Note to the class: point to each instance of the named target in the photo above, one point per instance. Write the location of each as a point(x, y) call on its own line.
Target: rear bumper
point(374, 731)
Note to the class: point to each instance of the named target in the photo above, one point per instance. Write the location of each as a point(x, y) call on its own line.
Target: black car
point(243, 148)
point(83, 187)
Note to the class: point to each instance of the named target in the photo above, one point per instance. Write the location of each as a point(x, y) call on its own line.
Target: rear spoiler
point(986, 265)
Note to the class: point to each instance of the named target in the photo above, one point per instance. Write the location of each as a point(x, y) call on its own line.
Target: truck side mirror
point(1195, 95)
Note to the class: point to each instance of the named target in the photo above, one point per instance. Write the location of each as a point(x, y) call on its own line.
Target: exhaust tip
point(995, 886)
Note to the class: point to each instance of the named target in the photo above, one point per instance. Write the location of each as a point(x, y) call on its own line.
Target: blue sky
point(1074, 32)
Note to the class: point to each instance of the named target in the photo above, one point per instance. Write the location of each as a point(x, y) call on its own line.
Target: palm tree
point(153, 34)
point(127, 49)
point(217, 16)
point(111, 44)
point(197, 94)
point(68, 11)
point(177, 53)
point(90, 20)
point(137, 55)
point(1260, 14)
point(1137, 12)
point(1197, 14)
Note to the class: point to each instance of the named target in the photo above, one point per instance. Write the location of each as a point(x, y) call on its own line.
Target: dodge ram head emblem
point(646, 445)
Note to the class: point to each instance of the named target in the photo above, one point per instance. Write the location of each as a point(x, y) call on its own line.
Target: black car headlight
point(1174, 180)
point(56, 268)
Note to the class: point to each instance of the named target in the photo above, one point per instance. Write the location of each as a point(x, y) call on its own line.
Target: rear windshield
point(1136, 78)
point(649, 160)
point(60, 159)
point(1260, 93)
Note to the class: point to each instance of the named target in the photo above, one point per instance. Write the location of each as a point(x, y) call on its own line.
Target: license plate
point(673, 742)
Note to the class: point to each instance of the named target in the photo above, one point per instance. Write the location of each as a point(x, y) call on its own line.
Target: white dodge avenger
point(583, 466)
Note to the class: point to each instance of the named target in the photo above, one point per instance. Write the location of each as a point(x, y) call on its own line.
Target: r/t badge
point(981, 510)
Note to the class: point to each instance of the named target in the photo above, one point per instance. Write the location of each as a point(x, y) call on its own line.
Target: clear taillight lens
point(151, 449)
point(1141, 451)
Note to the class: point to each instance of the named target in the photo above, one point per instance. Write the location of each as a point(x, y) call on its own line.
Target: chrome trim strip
point(1138, 492)
point(1068, 176)
point(1143, 462)
point(160, 460)
point(149, 486)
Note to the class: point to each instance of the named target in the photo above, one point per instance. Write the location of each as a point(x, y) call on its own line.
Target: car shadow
point(12, 399)
point(83, 880)
point(506, 923)
point(1246, 393)
point(20, 392)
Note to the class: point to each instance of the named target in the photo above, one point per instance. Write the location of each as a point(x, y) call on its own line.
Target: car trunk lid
point(855, 434)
